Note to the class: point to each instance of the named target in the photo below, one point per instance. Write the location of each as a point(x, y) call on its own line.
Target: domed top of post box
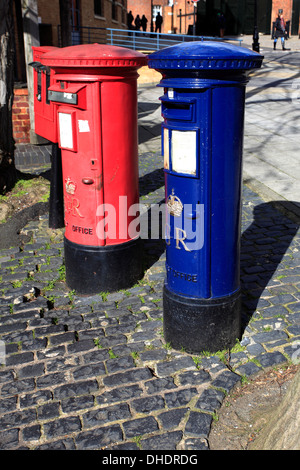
point(205, 55)
point(94, 55)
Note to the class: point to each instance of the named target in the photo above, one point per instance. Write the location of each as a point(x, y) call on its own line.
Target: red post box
point(44, 110)
point(95, 93)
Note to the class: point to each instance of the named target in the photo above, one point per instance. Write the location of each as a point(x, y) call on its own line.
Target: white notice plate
point(65, 130)
point(184, 152)
point(166, 148)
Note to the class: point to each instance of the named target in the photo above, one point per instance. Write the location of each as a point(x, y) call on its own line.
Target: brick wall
point(48, 13)
point(143, 7)
point(88, 17)
point(20, 116)
point(285, 5)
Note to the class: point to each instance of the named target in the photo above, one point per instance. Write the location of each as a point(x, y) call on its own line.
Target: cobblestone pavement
point(94, 372)
point(33, 157)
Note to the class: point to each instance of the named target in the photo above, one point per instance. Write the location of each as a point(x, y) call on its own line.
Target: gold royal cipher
point(174, 205)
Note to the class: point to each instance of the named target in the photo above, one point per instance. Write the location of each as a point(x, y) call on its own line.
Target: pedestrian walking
point(222, 24)
point(280, 31)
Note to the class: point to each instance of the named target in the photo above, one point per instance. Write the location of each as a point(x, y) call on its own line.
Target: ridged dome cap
point(94, 55)
point(205, 55)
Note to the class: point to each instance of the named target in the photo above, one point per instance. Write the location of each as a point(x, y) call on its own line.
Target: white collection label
point(83, 126)
point(170, 93)
point(68, 96)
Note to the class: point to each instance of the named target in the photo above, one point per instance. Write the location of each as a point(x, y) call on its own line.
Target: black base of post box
point(197, 325)
point(90, 269)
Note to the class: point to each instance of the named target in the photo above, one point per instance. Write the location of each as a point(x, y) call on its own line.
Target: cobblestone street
point(94, 372)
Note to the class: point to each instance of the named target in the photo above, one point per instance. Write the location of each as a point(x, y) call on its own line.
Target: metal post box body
point(95, 92)
point(44, 110)
point(202, 141)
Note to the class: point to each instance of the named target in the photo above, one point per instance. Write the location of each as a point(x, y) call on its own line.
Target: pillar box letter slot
point(95, 93)
point(72, 94)
point(178, 110)
point(202, 136)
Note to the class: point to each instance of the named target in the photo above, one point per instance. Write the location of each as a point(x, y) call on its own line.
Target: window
point(114, 10)
point(98, 8)
point(156, 9)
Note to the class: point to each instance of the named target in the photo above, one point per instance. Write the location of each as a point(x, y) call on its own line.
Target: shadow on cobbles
point(151, 181)
point(152, 234)
point(152, 188)
point(145, 108)
point(10, 232)
point(269, 258)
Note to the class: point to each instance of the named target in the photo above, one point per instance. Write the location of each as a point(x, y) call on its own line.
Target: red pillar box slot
point(95, 92)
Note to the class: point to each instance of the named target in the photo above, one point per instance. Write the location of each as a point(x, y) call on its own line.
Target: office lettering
point(181, 275)
point(83, 230)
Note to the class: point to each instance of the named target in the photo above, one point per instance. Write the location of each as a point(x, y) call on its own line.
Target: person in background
point(144, 22)
point(137, 22)
point(158, 22)
point(222, 24)
point(130, 20)
point(280, 31)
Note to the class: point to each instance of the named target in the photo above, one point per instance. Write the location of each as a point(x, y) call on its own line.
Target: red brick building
point(178, 15)
point(93, 13)
point(84, 13)
point(285, 5)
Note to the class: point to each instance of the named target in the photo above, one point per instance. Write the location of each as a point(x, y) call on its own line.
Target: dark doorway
point(19, 58)
point(295, 18)
point(45, 31)
point(76, 22)
point(239, 16)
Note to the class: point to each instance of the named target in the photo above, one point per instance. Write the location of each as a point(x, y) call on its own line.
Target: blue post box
point(202, 142)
